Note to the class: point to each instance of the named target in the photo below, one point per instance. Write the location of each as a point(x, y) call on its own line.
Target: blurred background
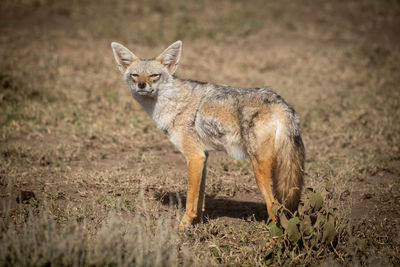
point(78, 153)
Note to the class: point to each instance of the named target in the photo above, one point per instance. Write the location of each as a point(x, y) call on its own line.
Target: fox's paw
point(185, 223)
point(182, 226)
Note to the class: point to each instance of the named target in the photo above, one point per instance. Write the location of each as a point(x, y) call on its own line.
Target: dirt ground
point(72, 135)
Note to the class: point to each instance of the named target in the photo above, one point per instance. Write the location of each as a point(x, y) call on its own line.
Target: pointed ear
point(170, 57)
point(123, 56)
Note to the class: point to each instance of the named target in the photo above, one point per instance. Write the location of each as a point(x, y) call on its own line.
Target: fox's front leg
point(196, 163)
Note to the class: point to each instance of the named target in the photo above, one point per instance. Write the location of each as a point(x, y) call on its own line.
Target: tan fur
point(195, 192)
point(289, 163)
point(262, 163)
point(227, 116)
point(201, 117)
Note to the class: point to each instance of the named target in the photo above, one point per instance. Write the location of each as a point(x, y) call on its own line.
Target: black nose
point(141, 85)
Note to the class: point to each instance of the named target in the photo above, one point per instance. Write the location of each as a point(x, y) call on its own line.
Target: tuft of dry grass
point(36, 239)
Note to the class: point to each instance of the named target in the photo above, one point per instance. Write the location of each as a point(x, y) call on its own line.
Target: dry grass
point(36, 237)
point(109, 187)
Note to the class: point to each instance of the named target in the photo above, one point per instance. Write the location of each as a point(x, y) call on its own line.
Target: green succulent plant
point(309, 230)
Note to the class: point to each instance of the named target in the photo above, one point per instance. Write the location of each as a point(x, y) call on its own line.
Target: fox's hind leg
point(196, 162)
point(262, 164)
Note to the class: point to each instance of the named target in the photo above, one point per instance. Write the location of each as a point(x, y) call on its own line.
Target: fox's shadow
point(218, 207)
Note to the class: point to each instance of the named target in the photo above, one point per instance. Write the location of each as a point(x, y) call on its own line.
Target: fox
point(200, 117)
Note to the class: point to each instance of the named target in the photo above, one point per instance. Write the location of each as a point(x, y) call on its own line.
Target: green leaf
point(305, 226)
point(275, 210)
point(316, 201)
point(275, 230)
point(329, 229)
point(295, 220)
point(292, 231)
point(329, 232)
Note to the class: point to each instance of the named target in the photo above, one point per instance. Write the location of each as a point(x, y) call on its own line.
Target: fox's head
point(145, 77)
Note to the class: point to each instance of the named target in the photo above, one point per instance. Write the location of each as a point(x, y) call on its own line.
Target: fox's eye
point(134, 75)
point(155, 76)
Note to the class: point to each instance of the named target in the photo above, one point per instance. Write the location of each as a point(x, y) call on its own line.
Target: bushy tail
point(288, 169)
